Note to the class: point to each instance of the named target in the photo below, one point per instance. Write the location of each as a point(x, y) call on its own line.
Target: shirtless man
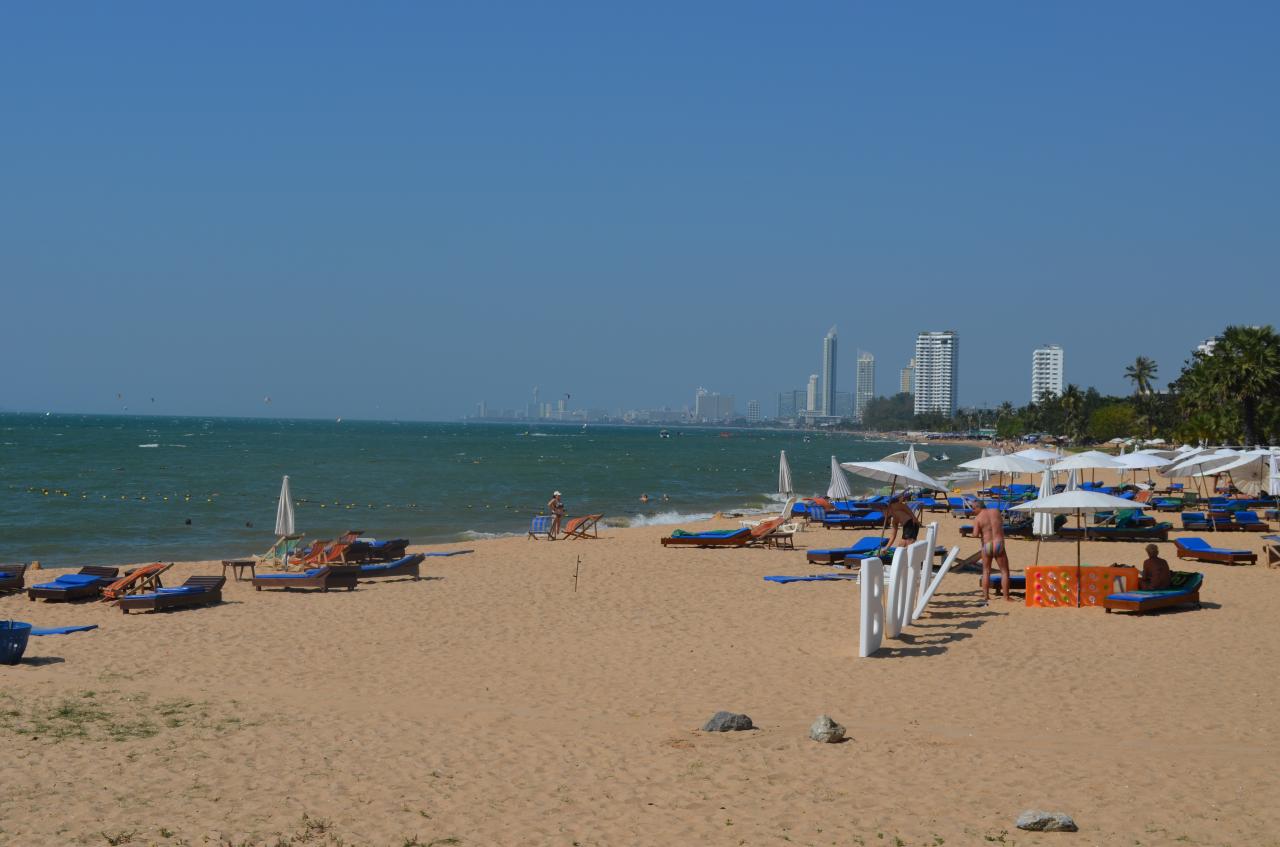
point(1156, 575)
point(988, 527)
point(900, 514)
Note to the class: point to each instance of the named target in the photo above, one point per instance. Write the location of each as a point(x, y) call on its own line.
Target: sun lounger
point(959, 507)
point(1247, 521)
point(540, 526)
point(582, 527)
point(196, 591)
point(13, 576)
point(1159, 532)
point(385, 551)
point(1185, 589)
point(864, 548)
point(140, 580)
point(1017, 581)
point(1272, 549)
point(323, 578)
point(408, 566)
point(743, 537)
point(277, 554)
point(75, 586)
point(310, 555)
point(1195, 521)
point(1199, 550)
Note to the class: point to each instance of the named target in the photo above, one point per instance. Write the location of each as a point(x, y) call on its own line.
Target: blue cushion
point(1199, 545)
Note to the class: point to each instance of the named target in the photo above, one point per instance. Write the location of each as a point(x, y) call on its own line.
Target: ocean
point(100, 489)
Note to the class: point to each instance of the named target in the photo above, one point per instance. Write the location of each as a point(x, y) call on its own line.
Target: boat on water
point(663, 433)
point(944, 458)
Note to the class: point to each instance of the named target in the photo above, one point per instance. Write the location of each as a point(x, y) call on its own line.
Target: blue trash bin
point(13, 641)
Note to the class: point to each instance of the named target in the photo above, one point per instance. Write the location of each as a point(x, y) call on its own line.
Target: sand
point(491, 704)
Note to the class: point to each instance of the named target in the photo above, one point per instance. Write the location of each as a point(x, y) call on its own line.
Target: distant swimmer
point(666, 498)
point(644, 498)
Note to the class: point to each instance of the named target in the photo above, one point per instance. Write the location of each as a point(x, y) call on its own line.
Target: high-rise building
point(865, 391)
point(937, 371)
point(906, 378)
point(753, 411)
point(828, 399)
point(1046, 372)
point(709, 406)
point(844, 404)
point(811, 396)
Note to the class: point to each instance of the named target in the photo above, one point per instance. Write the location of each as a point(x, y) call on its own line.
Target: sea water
point(98, 489)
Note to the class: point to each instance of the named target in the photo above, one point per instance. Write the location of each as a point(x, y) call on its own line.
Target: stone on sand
point(1038, 821)
point(826, 730)
point(726, 722)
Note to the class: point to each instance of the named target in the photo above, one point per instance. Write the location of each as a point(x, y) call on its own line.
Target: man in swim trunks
point(900, 514)
point(988, 528)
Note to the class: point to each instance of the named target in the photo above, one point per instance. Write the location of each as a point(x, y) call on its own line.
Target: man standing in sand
point(900, 514)
point(556, 507)
point(988, 528)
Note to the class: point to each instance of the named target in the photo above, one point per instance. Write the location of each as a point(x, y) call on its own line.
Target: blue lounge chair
point(1247, 521)
point(817, 514)
point(1199, 550)
point(1195, 521)
point(540, 526)
point(864, 548)
point(13, 576)
point(960, 507)
point(323, 578)
point(1017, 581)
point(710, 538)
point(75, 586)
point(196, 591)
point(407, 566)
point(1185, 589)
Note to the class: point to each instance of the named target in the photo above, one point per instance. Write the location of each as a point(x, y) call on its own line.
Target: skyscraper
point(828, 400)
point(906, 378)
point(811, 398)
point(866, 388)
point(753, 411)
point(937, 371)
point(1046, 372)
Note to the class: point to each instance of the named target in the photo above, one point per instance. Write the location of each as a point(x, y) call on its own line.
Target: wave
point(477, 535)
point(148, 445)
point(659, 519)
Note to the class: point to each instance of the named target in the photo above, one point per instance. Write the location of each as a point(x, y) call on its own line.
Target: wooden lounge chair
point(140, 580)
point(310, 555)
point(1199, 550)
point(864, 548)
point(1159, 532)
point(323, 578)
point(89, 582)
point(540, 526)
point(1272, 550)
point(1247, 521)
point(196, 591)
point(408, 566)
point(1184, 590)
point(13, 576)
point(743, 537)
point(286, 547)
point(582, 527)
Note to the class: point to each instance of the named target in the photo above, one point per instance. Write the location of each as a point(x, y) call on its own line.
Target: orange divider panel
point(1058, 585)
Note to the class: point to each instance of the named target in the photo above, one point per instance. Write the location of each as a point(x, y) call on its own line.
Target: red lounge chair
point(582, 527)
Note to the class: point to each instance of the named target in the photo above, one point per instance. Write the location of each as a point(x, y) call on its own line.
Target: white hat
point(555, 493)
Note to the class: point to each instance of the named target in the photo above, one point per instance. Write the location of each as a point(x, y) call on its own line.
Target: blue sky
point(398, 210)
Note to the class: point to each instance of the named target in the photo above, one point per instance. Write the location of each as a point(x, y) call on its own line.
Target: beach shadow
point(928, 644)
point(40, 661)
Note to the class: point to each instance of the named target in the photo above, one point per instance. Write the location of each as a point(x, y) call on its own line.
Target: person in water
point(905, 521)
point(988, 528)
point(644, 498)
point(556, 507)
point(1156, 575)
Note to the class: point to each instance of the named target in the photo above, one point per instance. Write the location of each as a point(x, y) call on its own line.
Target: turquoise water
point(108, 489)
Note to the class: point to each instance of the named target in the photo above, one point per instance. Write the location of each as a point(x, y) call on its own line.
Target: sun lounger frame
point(78, 592)
point(211, 593)
point(412, 566)
point(331, 576)
point(1214, 556)
point(18, 576)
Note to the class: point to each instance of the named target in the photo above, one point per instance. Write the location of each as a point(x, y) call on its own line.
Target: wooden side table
point(238, 567)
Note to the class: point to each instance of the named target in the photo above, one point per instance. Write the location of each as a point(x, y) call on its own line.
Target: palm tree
point(1141, 373)
point(1072, 403)
point(1244, 369)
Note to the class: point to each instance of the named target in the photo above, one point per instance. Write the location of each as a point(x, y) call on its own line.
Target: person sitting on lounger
point(902, 518)
point(988, 528)
point(1156, 575)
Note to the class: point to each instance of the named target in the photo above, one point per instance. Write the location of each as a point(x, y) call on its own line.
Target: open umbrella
point(1141, 461)
point(1036, 454)
point(1087, 459)
point(1078, 503)
point(910, 457)
point(892, 472)
point(1003, 464)
point(839, 487)
point(785, 488)
point(284, 511)
point(1251, 469)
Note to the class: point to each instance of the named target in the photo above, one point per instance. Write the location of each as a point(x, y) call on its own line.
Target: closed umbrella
point(785, 488)
point(838, 489)
point(1042, 523)
point(1078, 503)
point(284, 511)
point(1273, 480)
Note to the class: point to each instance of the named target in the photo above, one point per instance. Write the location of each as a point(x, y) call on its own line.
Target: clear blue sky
point(398, 210)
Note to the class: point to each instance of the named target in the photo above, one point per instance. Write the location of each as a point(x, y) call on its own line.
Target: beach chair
point(540, 527)
point(1247, 521)
point(285, 547)
point(960, 508)
point(582, 527)
point(743, 537)
point(1272, 549)
point(13, 576)
point(1195, 522)
point(136, 581)
point(1199, 550)
point(1017, 581)
point(407, 566)
point(1159, 532)
point(865, 547)
point(310, 555)
point(89, 582)
point(196, 591)
point(385, 551)
point(323, 578)
point(1184, 590)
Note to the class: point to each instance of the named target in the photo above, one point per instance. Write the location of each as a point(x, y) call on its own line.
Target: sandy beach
point(490, 703)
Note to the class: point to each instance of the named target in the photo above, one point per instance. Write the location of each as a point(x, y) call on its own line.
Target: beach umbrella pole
point(1079, 535)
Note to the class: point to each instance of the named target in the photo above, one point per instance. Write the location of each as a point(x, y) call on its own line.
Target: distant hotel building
point(811, 396)
point(712, 407)
point(865, 390)
point(753, 411)
point(936, 372)
point(1046, 372)
point(906, 378)
point(828, 399)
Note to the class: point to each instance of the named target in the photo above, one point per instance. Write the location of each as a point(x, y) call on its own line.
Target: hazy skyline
point(402, 210)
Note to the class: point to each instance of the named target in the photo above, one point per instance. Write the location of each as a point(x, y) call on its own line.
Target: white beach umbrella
point(893, 473)
point(1141, 461)
point(1250, 469)
point(906, 456)
point(1086, 460)
point(1037, 454)
point(785, 488)
point(284, 511)
point(1078, 503)
point(1042, 523)
point(839, 487)
point(1005, 464)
